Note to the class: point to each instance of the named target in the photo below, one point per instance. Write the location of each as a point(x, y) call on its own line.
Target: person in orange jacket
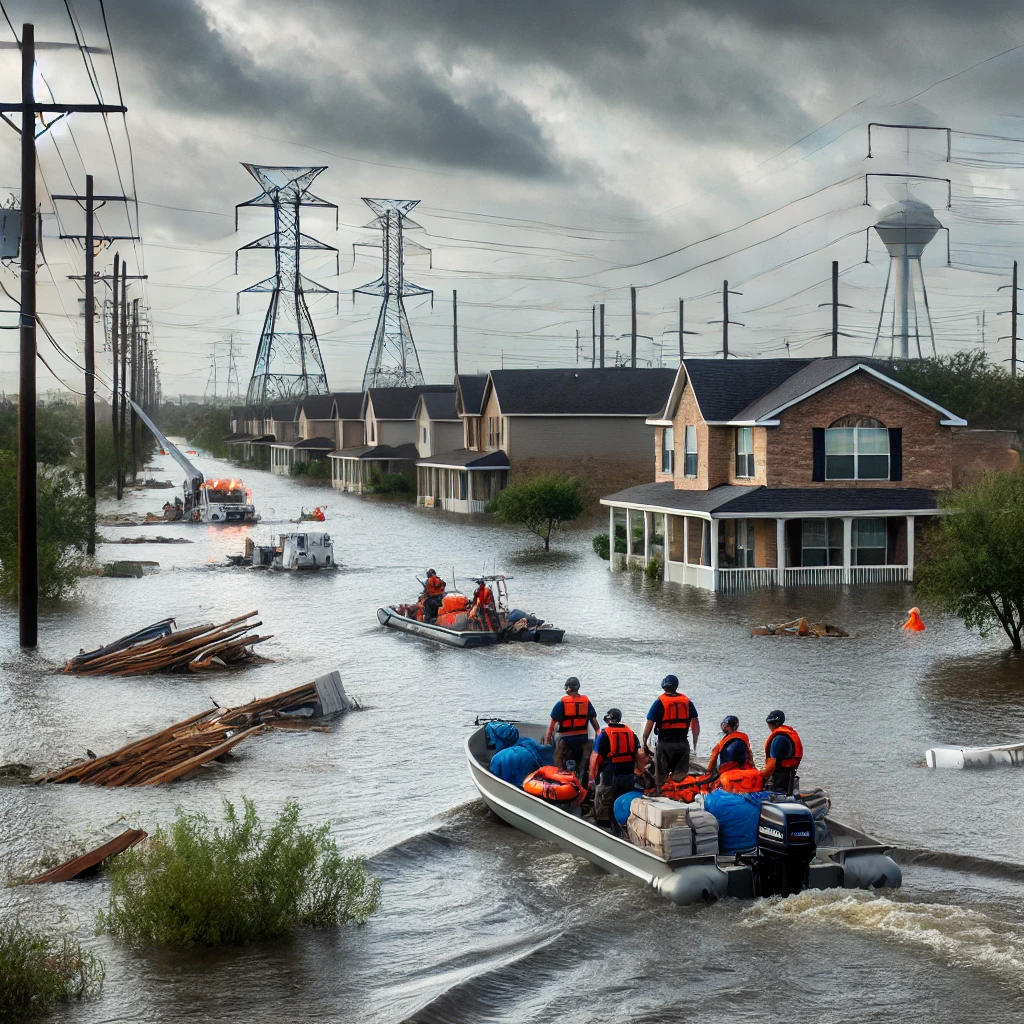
point(783, 751)
point(572, 716)
point(434, 588)
point(732, 750)
point(616, 765)
point(483, 610)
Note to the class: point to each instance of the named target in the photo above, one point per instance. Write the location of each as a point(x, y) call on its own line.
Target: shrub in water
point(391, 483)
point(38, 971)
point(200, 884)
point(601, 545)
point(319, 469)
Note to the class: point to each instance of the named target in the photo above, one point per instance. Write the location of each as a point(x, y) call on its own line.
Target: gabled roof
point(463, 458)
point(348, 405)
point(581, 391)
point(283, 412)
point(378, 452)
point(399, 403)
point(317, 407)
point(440, 405)
point(470, 391)
point(749, 391)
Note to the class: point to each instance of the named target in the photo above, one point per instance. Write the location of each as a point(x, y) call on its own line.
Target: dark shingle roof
point(440, 405)
point(400, 403)
point(582, 392)
point(464, 457)
point(283, 412)
point(318, 444)
point(471, 388)
point(732, 500)
point(348, 405)
point(725, 387)
point(374, 452)
point(317, 407)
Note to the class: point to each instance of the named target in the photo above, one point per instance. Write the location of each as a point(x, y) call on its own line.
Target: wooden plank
point(178, 770)
point(78, 865)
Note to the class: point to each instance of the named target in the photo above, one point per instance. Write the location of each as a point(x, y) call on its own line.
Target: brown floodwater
point(481, 922)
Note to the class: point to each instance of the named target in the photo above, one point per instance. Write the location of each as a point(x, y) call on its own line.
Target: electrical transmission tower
point(232, 388)
point(393, 361)
point(288, 362)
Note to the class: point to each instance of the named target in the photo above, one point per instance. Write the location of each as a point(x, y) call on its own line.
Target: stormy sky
point(560, 152)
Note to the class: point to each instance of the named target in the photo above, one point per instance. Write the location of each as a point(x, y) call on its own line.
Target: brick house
point(795, 471)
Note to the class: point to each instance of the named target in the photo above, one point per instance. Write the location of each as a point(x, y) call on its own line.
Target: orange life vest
point(574, 716)
point(686, 789)
point(741, 780)
point(798, 747)
point(677, 711)
point(454, 603)
point(434, 586)
point(554, 784)
point(622, 744)
point(728, 765)
point(483, 597)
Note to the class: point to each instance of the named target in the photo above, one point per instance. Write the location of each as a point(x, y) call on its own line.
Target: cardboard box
point(661, 812)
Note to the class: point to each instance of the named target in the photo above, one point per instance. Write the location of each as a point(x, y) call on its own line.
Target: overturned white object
point(974, 757)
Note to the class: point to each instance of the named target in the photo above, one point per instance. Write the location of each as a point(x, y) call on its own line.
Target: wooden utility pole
point(835, 308)
point(135, 389)
point(28, 565)
point(124, 365)
point(593, 336)
point(602, 336)
point(455, 330)
point(632, 344)
point(114, 335)
point(577, 347)
point(725, 321)
point(1013, 322)
point(682, 330)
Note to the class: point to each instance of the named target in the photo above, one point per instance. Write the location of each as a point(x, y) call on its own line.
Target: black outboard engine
point(786, 846)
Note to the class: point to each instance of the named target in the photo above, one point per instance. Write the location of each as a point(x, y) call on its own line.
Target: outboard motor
point(786, 846)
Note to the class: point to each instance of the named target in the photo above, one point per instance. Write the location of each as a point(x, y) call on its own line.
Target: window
point(690, 451)
point(668, 455)
point(744, 451)
point(869, 542)
point(857, 448)
point(492, 434)
point(821, 542)
point(736, 544)
point(424, 435)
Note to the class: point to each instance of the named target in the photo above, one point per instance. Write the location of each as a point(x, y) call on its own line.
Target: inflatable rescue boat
point(785, 858)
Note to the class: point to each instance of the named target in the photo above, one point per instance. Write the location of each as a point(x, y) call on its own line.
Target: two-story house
point(315, 435)
point(794, 471)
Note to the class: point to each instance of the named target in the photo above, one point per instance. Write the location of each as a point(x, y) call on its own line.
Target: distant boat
point(975, 757)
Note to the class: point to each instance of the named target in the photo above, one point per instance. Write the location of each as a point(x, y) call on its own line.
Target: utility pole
point(725, 321)
point(682, 330)
point(136, 377)
point(577, 347)
point(455, 329)
point(835, 304)
point(1013, 321)
point(28, 565)
point(593, 336)
point(602, 335)
point(124, 372)
point(632, 348)
point(114, 331)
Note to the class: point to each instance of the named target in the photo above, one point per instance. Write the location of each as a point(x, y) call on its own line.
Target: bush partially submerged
point(541, 505)
point(39, 970)
point(200, 884)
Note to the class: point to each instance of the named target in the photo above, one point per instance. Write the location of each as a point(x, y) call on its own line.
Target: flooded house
point(794, 471)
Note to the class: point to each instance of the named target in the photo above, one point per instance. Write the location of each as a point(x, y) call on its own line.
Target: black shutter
point(818, 445)
point(895, 453)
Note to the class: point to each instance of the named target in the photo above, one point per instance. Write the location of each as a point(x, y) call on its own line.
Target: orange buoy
point(914, 623)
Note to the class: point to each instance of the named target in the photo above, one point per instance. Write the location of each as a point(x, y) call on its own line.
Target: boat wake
point(965, 938)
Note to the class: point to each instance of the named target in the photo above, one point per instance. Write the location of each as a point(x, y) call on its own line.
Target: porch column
point(647, 536)
point(629, 535)
point(686, 540)
point(847, 548)
point(611, 538)
point(910, 548)
point(714, 554)
point(469, 490)
point(780, 549)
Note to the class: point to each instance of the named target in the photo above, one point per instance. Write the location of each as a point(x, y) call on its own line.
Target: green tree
point(66, 519)
point(976, 565)
point(541, 504)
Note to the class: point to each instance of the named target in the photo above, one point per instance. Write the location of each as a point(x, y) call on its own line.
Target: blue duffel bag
point(737, 815)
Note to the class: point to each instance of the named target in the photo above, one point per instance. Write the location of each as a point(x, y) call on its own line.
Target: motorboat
point(458, 629)
point(950, 756)
point(298, 550)
point(848, 859)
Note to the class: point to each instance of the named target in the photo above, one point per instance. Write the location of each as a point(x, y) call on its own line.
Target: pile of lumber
point(181, 748)
point(799, 627)
point(159, 648)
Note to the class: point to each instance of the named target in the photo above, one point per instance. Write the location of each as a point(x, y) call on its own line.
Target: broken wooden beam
point(78, 866)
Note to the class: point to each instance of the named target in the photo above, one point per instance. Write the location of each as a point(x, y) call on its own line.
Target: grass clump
point(38, 970)
point(197, 883)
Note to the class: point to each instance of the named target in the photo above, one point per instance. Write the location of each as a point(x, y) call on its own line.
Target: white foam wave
point(964, 937)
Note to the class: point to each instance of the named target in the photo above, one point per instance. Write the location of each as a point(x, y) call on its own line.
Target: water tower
point(905, 228)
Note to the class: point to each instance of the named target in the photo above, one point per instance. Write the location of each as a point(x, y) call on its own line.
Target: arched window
point(857, 448)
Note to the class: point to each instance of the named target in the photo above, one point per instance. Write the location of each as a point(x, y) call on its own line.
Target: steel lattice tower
point(393, 361)
point(288, 362)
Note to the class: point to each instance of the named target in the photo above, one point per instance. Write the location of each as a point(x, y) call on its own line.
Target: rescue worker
point(732, 750)
point(482, 609)
point(571, 716)
point(783, 752)
point(433, 588)
point(671, 715)
point(617, 760)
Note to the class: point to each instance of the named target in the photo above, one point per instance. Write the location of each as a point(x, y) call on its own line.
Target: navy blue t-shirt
point(602, 746)
point(781, 746)
point(657, 712)
point(558, 712)
point(734, 750)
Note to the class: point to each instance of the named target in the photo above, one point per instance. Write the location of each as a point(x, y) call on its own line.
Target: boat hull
point(452, 637)
point(856, 862)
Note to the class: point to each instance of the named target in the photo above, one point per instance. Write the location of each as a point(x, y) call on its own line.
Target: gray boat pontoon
point(852, 860)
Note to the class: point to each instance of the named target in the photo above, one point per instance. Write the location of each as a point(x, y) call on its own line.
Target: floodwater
point(481, 922)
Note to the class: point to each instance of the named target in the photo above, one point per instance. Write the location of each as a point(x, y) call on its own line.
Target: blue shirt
point(657, 712)
point(603, 746)
point(734, 750)
point(558, 712)
point(780, 747)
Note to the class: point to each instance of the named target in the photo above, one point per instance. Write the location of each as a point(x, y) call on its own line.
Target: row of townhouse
point(795, 471)
point(461, 443)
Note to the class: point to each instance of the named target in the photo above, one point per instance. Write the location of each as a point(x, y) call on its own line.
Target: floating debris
point(158, 648)
point(78, 866)
point(156, 484)
point(127, 570)
point(180, 749)
point(146, 540)
point(799, 627)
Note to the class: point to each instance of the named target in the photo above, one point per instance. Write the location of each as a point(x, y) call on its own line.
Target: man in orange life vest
point(671, 715)
point(434, 588)
point(732, 750)
point(783, 752)
point(616, 762)
point(571, 716)
point(483, 610)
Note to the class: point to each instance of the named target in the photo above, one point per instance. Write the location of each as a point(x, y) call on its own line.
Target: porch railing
point(746, 579)
point(814, 576)
point(879, 574)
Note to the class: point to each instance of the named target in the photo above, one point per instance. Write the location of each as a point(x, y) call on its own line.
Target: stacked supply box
point(671, 829)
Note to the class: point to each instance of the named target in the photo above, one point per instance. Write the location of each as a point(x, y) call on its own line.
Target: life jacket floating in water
point(914, 623)
point(741, 780)
point(555, 785)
